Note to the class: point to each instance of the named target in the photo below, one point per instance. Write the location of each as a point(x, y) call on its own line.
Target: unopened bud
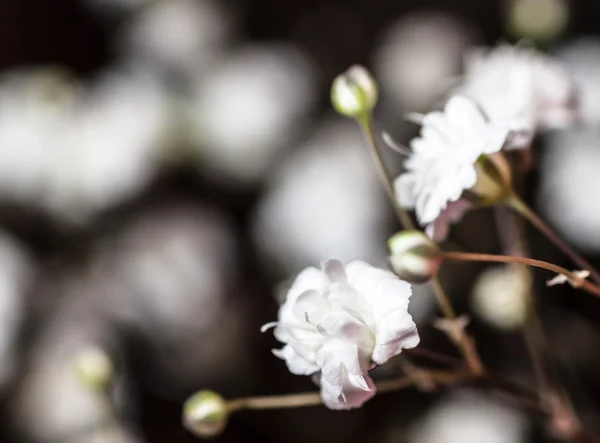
point(414, 256)
point(354, 93)
point(494, 179)
point(205, 414)
point(94, 368)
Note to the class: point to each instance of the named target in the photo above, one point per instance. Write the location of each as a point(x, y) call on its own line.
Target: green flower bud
point(205, 414)
point(414, 256)
point(94, 368)
point(354, 93)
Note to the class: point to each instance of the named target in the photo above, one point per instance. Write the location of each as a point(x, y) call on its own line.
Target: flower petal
point(348, 394)
point(295, 363)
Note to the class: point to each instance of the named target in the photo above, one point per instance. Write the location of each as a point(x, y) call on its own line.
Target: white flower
point(521, 89)
point(443, 164)
point(340, 321)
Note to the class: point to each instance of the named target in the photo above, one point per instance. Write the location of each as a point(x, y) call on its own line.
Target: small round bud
point(205, 414)
point(354, 93)
point(494, 179)
point(414, 256)
point(94, 368)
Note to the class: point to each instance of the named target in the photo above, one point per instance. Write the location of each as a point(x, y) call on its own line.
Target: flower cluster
point(506, 95)
point(339, 322)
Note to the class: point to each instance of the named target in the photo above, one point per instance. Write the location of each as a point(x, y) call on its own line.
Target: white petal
point(295, 363)
point(404, 187)
point(388, 297)
point(309, 278)
point(337, 357)
point(347, 395)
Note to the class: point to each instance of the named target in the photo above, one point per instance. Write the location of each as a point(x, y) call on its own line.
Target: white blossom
point(443, 164)
point(338, 322)
point(520, 88)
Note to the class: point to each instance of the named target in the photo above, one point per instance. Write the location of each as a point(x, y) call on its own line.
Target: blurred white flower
point(499, 297)
point(339, 321)
point(569, 180)
point(74, 151)
point(185, 36)
point(111, 148)
point(521, 89)
point(444, 163)
point(248, 108)
point(17, 270)
point(470, 417)
point(582, 59)
point(325, 200)
point(177, 271)
point(50, 403)
point(418, 54)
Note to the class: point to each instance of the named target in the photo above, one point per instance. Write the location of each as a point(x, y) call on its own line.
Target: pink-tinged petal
point(337, 357)
point(350, 394)
point(295, 362)
point(438, 230)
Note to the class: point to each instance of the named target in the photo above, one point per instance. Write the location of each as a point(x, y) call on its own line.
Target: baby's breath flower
point(448, 159)
point(520, 89)
point(338, 322)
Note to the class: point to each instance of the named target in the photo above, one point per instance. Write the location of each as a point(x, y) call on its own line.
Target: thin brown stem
point(305, 399)
point(521, 207)
point(468, 256)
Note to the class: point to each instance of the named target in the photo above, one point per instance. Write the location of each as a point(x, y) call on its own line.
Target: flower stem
point(305, 399)
point(521, 207)
point(467, 256)
point(366, 125)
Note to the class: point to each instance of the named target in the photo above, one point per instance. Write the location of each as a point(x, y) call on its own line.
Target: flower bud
point(354, 93)
point(414, 256)
point(494, 179)
point(205, 414)
point(94, 368)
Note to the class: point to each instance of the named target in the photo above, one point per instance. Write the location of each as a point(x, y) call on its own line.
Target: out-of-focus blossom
point(569, 180)
point(520, 89)
point(325, 200)
point(50, 403)
point(339, 321)
point(183, 36)
point(17, 270)
point(177, 271)
point(111, 147)
point(74, 151)
point(499, 297)
point(582, 59)
point(418, 54)
point(248, 108)
point(445, 162)
point(538, 20)
point(471, 417)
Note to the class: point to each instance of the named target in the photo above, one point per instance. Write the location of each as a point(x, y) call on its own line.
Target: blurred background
point(167, 165)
